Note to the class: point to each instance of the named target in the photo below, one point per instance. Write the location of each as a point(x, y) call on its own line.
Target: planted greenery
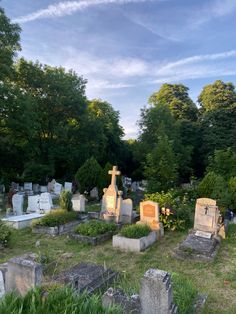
point(5, 234)
point(94, 228)
point(135, 231)
point(56, 218)
point(55, 301)
point(66, 200)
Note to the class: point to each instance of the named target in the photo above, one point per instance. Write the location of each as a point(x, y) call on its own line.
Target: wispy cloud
point(69, 7)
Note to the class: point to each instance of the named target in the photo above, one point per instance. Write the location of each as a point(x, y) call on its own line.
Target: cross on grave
point(114, 172)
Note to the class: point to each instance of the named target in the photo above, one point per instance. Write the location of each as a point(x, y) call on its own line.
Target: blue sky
point(127, 48)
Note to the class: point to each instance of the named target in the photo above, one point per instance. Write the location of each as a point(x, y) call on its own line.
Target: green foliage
point(223, 162)
point(65, 200)
point(55, 218)
point(37, 172)
point(105, 178)
point(232, 192)
point(94, 228)
point(184, 293)
point(176, 208)
point(88, 175)
point(176, 97)
point(135, 231)
point(55, 301)
point(5, 234)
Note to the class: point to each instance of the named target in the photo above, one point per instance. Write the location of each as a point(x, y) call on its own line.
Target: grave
point(87, 277)
point(28, 186)
point(43, 188)
point(114, 208)
point(78, 202)
point(2, 285)
point(94, 193)
point(23, 273)
point(149, 214)
point(22, 221)
point(36, 188)
point(17, 203)
point(45, 202)
point(57, 188)
point(33, 204)
point(51, 185)
point(155, 296)
point(68, 186)
point(203, 241)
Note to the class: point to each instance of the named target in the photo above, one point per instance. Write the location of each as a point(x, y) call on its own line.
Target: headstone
point(149, 214)
point(127, 211)
point(156, 294)
point(45, 202)
point(78, 202)
point(57, 188)
point(87, 277)
point(15, 186)
point(2, 285)
point(33, 204)
point(36, 188)
point(51, 186)
point(206, 215)
point(28, 186)
point(23, 274)
point(43, 188)
point(68, 186)
point(17, 202)
point(94, 193)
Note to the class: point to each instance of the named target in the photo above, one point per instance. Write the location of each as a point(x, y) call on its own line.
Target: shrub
point(135, 231)
point(232, 192)
point(55, 301)
point(56, 218)
point(65, 200)
point(5, 234)
point(88, 175)
point(37, 172)
point(94, 228)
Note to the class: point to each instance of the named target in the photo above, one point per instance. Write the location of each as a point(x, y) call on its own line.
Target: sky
point(126, 49)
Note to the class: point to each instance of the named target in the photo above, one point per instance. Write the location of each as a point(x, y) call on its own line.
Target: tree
point(218, 95)
point(176, 98)
point(9, 44)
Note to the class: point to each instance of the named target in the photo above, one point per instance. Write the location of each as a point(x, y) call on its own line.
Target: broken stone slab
point(198, 248)
point(87, 277)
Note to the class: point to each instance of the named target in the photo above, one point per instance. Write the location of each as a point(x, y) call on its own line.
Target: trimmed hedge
point(135, 231)
point(94, 228)
point(56, 218)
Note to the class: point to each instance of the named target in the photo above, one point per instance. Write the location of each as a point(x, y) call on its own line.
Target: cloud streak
point(69, 7)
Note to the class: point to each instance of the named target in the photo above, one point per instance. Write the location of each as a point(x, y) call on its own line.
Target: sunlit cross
point(114, 172)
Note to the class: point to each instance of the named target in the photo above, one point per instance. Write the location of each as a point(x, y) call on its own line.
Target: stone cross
point(114, 172)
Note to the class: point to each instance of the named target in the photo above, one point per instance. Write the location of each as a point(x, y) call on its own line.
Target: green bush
point(232, 192)
point(56, 218)
point(94, 228)
point(5, 234)
point(135, 231)
point(184, 293)
point(88, 175)
point(65, 200)
point(37, 172)
point(55, 301)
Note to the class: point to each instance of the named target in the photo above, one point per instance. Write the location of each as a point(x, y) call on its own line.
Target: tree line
point(49, 128)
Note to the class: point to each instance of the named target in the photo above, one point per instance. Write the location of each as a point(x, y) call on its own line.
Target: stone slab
point(22, 221)
point(134, 245)
point(87, 277)
point(58, 230)
point(203, 234)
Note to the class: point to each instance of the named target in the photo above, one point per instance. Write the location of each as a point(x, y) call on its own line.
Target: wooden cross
point(114, 172)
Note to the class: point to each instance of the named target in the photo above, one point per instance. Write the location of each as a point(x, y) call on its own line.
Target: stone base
point(155, 226)
point(134, 245)
point(59, 230)
point(87, 277)
point(198, 248)
point(92, 240)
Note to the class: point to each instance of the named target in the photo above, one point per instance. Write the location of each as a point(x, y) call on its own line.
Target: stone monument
point(17, 203)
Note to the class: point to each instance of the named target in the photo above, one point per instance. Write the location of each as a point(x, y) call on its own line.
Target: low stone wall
point(92, 240)
point(59, 230)
point(134, 245)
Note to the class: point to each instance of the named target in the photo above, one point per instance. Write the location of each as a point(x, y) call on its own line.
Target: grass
point(135, 231)
point(217, 279)
point(94, 228)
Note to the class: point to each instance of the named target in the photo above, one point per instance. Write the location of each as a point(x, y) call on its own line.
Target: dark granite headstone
point(87, 277)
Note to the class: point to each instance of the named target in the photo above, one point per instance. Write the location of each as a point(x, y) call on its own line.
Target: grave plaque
point(28, 186)
point(149, 214)
point(206, 215)
point(149, 210)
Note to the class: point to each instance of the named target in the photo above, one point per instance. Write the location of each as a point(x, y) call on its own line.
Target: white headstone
point(94, 193)
point(57, 188)
point(28, 186)
point(43, 188)
point(33, 204)
point(2, 285)
point(68, 186)
point(78, 202)
point(17, 202)
point(45, 202)
point(127, 211)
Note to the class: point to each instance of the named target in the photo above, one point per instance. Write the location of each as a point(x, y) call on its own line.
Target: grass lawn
point(217, 279)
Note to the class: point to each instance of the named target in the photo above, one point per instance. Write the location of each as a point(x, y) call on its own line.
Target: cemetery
point(96, 215)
